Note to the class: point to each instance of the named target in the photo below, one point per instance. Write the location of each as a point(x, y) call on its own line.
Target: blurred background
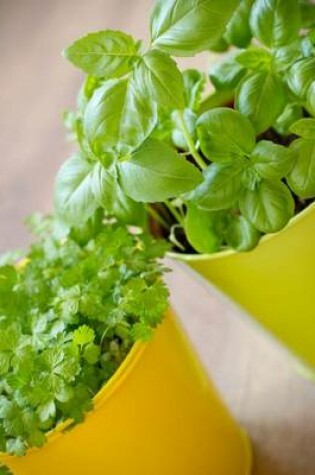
point(258, 379)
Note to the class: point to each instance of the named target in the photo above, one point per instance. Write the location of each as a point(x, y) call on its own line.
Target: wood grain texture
point(257, 378)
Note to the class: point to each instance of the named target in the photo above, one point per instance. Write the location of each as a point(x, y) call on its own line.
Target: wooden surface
point(256, 377)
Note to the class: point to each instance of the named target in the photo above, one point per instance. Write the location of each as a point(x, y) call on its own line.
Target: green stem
point(191, 144)
point(157, 217)
point(174, 211)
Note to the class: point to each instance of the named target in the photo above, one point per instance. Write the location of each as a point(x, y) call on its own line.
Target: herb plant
point(69, 315)
point(212, 171)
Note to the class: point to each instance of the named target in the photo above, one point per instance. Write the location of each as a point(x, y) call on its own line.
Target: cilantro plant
point(69, 314)
point(211, 170)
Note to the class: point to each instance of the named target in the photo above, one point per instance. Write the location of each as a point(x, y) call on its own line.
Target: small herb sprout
point(221, 170)
point(70, 314)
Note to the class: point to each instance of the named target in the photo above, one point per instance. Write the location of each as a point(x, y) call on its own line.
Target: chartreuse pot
point(158, 415)
point(275, 282)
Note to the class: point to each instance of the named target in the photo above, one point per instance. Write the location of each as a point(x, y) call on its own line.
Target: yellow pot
point(275, 282)
point(158, 415)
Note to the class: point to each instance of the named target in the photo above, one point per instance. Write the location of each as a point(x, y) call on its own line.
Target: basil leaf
point(301, 178)
point(75, 200)
point(261, 98)
point(119, 117)
point(221, 187)
point(178, 137)
point(227, 74)
point(269, 207)
point(183, 28)
point(272, 160)
point(308, 13)
point(291, 114)
point(300, 76)
point(194, 84)
point(241, 235)
point(220, 45)
point(310, 104)
point(107, 54)
point(238, 31)
point(158, 75)
point(275, 22)
point(156, 173)
point(200, 230)
point(113, 199)
point(224, 133)
point(257, 59)
point(304, 127)
point(285, 56)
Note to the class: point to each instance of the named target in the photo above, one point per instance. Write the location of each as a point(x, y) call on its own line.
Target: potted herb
point(88, 381)
point(217, 174)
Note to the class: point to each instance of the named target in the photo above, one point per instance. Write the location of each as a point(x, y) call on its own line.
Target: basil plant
point(209, 171)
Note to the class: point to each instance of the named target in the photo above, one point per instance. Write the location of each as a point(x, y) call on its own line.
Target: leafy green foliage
point(200, 227)
point(70, 314)
point(261, 98)
point(238, 30)
point(105, 54)
point(185, 28)
point(301, 178)
point(275, 22)
point(157, 173)
point(148, 132)
point(269, 206)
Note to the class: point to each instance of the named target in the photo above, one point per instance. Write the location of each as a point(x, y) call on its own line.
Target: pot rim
point(101, 397)
point(231, 252)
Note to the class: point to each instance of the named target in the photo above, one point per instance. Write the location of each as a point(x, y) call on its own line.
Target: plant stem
point(157, 217)
point(174, 211)
point(191, 145)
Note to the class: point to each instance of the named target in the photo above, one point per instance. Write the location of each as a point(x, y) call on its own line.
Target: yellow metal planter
point(275, 282)
point(158, 415)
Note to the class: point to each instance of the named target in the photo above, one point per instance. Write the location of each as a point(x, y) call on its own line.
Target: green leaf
point(269, 207)
point(300, 76)
point(47, 410)
point(291, 114)
point(92, 353)
point(83, 335)
point(301, 178)
point(75, 200)
point(200, 230)
point(16, 446)
point(5, 362)
point(227, 74)
point(159, 77)
point(272, 160)
point(221, 187)
point(156, 173)
point(241, 235)
point(119, 117)
point(8, 278)
point(194, 84)
point(284, 56)
point(238, 31)
point(107, 54)
point(311, 99)
point(225, 133)
point(183, 28)
point(308, 13)
point(257, 59)
point(275, 22)
point(113, 199)
point(261, 98)
point(178, 137)
point(220, 45)
point(304, 127)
